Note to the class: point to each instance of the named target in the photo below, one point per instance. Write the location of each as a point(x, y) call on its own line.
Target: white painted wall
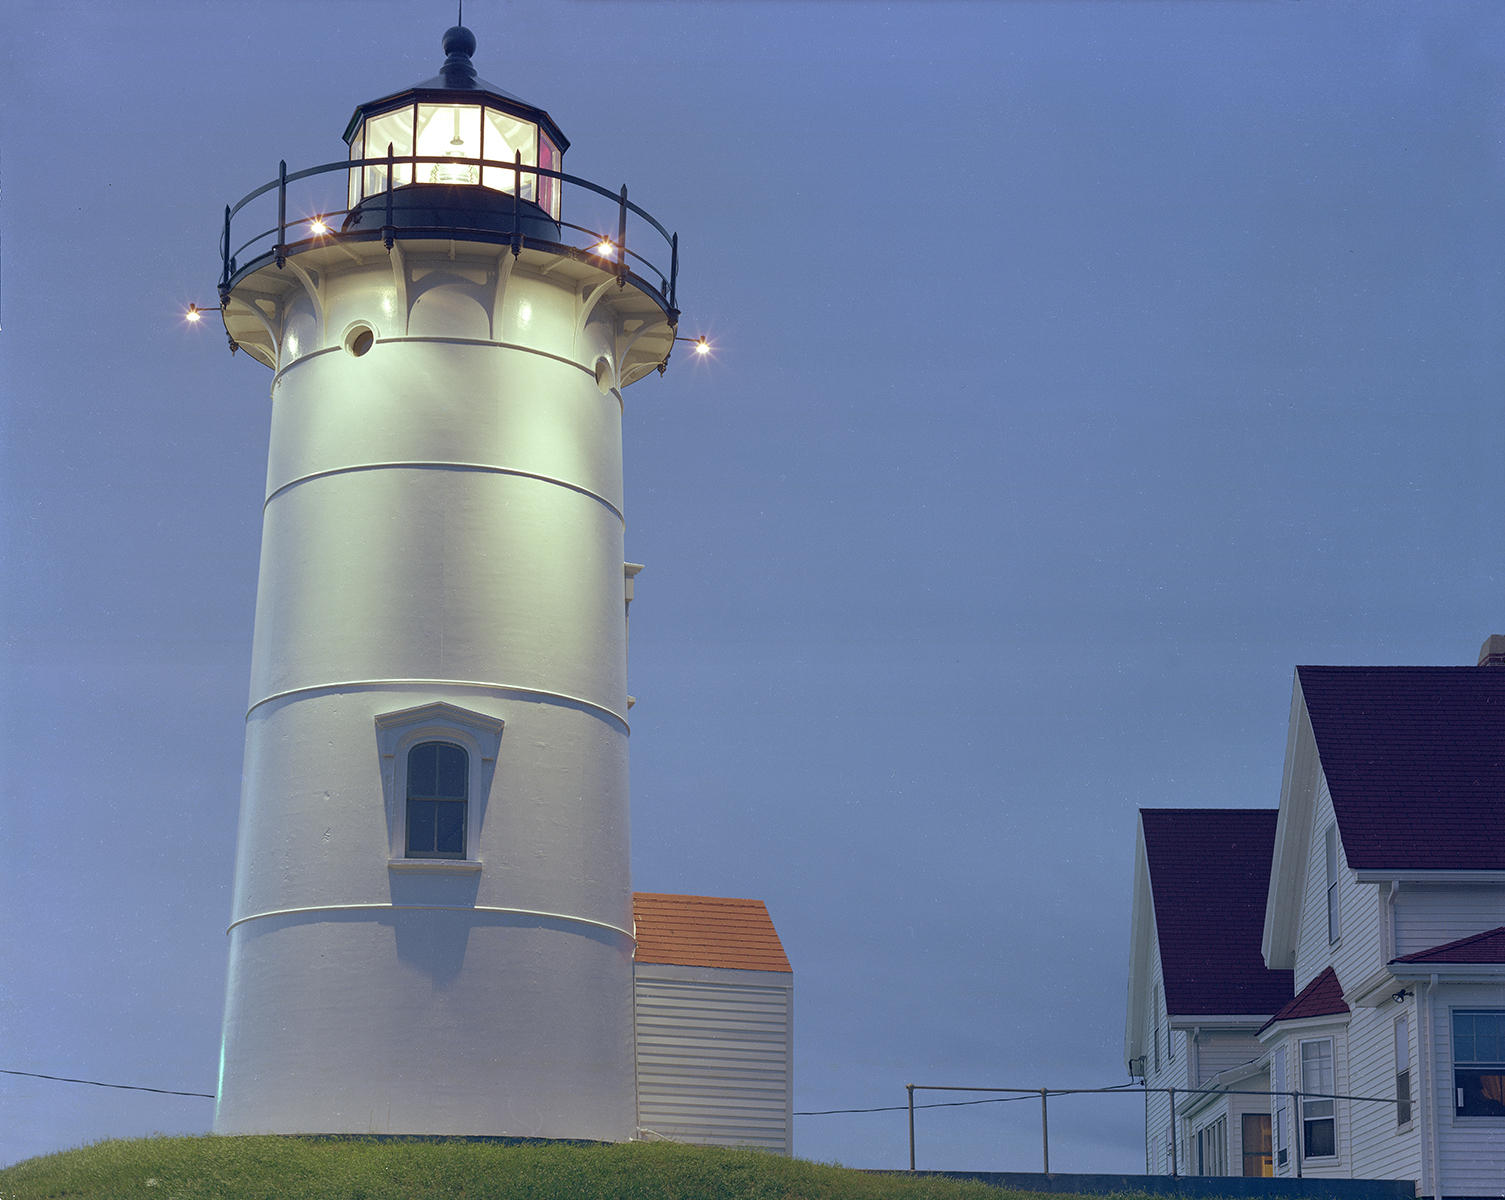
point(1220, 1049)
point(443, 523)
point(1428, 915)
point(715, 1051)
point(1471, 1150)
point(1384, 1149)
point(1357, 953)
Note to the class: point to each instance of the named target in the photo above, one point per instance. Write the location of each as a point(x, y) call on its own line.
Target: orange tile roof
point(706, 931)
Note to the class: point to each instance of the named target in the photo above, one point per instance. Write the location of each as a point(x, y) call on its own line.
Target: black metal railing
point(620, 237)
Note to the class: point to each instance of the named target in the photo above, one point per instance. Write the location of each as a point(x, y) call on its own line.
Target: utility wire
point(824, 1112)
point(127, 1087)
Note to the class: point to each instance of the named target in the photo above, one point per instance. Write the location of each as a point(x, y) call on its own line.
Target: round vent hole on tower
point(359, 339)
point(604, 376)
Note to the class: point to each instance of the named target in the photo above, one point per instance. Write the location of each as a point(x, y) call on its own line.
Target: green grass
point(278, 1168)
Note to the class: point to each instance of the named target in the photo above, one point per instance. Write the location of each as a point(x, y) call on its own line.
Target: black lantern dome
point(455, 151)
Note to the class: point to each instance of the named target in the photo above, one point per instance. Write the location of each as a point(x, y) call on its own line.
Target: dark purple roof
point(1209, 872)
point(1486, 947)
point(1415, 761)
point(1323, 997)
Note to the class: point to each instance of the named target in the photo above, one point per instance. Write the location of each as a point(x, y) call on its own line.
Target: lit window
point(1256, 1146)
point(437, 795)
point(394, 129)
point(506, 137)
point(1479, 1063)
point(452, 131)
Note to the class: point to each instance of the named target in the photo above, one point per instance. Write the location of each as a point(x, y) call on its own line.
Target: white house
point(1199, 990)
point(1385, 901)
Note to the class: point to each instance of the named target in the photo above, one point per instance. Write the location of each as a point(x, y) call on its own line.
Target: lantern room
point(456, 130)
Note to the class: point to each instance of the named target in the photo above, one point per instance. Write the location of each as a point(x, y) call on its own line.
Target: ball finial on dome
point(459, 40)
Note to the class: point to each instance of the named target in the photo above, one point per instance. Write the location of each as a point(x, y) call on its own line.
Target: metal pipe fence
point(1016, 1093)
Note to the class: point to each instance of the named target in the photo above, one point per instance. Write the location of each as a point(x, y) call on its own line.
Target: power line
point(126, 1087)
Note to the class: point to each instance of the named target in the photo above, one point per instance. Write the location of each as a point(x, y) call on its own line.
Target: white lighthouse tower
point(432, 924)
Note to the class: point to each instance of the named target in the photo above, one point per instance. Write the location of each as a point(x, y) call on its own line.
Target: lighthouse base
point(522, 1043)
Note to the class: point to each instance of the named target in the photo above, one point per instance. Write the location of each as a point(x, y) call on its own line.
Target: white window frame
point(1307, 1116)
point(1155, 1024)
point(478, 734)
point(1476, 1119)
point(1334, 916)
point(1279, 1151)
point(1404, 1110)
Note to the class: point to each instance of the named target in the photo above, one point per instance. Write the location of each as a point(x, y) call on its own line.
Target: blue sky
point(1082, 368)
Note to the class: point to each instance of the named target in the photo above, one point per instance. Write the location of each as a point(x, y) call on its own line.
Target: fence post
point(281, 251)
point(1299, 1130)
point(909, 1087)
point(1146, 1086)
point(517, 192)
point(1044, 1132)
point(673, 269)
point(388, 234)
point(1175, 1166)
point(224, 278)
point(622, 238)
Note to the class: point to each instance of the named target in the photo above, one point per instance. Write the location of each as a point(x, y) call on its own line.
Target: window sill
point(435, 866)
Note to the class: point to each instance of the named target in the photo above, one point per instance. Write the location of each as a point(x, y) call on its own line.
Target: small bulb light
point(318, 227)
point(702, 347)
point(193, 312)
point(604, 248)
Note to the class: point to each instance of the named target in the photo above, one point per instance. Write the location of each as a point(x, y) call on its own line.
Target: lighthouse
point(432, 923)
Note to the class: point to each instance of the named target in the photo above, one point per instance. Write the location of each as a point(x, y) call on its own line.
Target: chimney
point(1492, 653)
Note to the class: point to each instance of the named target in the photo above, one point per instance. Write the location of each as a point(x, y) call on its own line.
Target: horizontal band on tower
point(436, 465)
point(447, 341)
point(483, 908)
point(563, 699)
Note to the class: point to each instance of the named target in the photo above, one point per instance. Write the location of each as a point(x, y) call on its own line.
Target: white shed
point(713, 1005)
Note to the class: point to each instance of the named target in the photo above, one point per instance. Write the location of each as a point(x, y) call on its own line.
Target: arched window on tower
point(437, 795)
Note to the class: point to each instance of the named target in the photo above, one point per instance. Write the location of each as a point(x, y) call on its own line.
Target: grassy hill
point(278, 1168)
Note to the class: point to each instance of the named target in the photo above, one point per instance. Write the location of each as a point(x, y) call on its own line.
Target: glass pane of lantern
point(356, 143)
point(395, 128)
point(548, 187)
point(450, 131)
point(505, 136)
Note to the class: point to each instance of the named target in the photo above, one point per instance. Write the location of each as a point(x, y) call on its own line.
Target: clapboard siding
point(1357, 952)
point(1471, 1150)
point(714, 1055)
point(1428, 915)
point(1384, 1149)
point(1219, 1050)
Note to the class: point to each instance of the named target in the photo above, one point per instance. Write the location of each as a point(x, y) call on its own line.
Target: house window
point(1278, 1086)
point(1332, 884)
point(1402, 1071)
point(1319, 1128)
point(1479, 1062)
point(1155, 1025)
point(437, 795)
point(1212, 1148)
point(1257, 1161)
